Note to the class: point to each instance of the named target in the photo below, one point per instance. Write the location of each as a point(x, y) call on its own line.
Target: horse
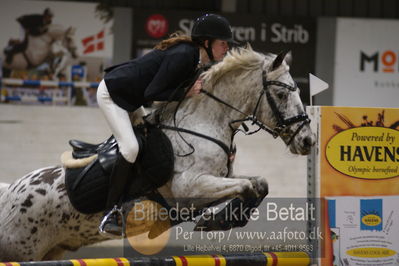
point(55, 47)
point(38, 221)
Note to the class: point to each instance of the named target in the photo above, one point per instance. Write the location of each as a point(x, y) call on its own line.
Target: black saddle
point(87, 187)
point(83, 149)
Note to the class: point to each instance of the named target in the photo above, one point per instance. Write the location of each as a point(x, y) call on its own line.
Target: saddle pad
point(91, 194)
point(154, 167)
point(68, 161)
point(157, 158)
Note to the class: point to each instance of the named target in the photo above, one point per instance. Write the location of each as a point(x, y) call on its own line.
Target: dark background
point(301, 8)
point(254, 12)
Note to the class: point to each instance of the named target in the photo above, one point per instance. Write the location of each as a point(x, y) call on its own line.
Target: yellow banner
point(359, 151)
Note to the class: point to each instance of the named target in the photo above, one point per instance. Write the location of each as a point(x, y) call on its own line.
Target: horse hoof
point(207, 226)
point(213, 223)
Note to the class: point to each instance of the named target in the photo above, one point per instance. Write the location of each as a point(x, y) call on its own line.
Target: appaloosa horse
point(38, 221)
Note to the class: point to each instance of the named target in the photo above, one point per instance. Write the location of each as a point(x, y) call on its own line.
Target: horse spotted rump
point(37, 207)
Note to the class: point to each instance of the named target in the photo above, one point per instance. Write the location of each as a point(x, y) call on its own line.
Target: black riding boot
point(112, 223)
point(9, 53)
point(14, 47)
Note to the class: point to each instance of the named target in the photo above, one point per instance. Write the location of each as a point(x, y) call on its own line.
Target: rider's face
point(219, 49)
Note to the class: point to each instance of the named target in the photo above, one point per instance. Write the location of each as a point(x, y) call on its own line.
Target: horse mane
point(242, 58)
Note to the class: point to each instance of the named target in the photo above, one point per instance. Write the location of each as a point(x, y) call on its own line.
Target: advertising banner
point(367, 62)
point(266, 35)
point(356, 170)
point(363, 231)
point(42, 39)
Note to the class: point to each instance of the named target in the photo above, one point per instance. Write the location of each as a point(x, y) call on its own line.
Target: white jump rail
point(49, 83)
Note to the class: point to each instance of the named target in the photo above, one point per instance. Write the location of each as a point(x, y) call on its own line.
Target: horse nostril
point(308, 141)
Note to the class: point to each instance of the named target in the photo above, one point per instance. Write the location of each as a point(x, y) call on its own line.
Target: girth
point(230, 151)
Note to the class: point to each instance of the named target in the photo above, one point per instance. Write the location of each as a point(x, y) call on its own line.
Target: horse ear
point(279, 59)
point(248, 46)
point(288, 58)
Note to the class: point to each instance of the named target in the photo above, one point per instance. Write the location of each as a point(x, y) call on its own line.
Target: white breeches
point(119, 122)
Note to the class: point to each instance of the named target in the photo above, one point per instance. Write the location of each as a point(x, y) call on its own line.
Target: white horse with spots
point(38, 222)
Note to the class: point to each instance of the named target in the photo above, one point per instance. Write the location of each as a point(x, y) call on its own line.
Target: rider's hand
point(195, 89)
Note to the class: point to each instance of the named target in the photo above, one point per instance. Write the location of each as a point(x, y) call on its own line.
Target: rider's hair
point(174, 38)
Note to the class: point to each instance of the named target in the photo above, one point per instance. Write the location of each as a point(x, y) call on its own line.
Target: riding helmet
point(48, 12)
point(211, 26)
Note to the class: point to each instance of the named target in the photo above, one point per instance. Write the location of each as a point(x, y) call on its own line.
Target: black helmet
point(211, 26)
point(48, 12)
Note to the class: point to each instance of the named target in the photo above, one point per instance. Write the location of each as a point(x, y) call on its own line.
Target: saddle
point(87, 186)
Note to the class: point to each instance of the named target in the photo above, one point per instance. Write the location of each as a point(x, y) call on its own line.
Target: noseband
point(282, 123)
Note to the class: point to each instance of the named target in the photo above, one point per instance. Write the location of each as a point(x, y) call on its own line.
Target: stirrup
point(101, 228)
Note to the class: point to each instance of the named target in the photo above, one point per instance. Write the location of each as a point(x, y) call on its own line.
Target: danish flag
point(93, 43)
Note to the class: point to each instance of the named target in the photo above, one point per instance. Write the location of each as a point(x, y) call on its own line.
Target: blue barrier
point(49, 83)
point(42, 98)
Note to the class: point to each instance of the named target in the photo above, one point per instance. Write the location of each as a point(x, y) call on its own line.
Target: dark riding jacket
point(33, 24)
point(160, 75)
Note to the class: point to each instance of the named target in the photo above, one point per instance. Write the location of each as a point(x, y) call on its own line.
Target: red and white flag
point(94, 43)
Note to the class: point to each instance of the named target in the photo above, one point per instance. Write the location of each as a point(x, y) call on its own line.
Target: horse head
point(63, 49)
point(261, 88)
point(282, 106)
point(63, 38)
point(69, 42)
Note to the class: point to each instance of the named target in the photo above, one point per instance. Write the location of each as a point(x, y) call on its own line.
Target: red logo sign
point(156, 26)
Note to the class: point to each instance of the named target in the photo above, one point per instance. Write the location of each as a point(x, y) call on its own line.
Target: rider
point(34, 25)
point(159, 75)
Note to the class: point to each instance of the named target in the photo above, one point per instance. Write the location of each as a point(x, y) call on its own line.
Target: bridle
point(282, 123)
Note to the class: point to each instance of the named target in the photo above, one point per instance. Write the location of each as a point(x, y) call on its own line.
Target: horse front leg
point(206, 188)
point(58, 67)
point(201, 190)
point(237, 212)
point(259, 184)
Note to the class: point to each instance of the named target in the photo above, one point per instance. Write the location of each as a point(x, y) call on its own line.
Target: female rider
point(154, 77)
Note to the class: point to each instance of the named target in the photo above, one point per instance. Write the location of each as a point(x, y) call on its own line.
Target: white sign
point(363, 230)
point(366, 63)
point(89, 28)
point(48, 37)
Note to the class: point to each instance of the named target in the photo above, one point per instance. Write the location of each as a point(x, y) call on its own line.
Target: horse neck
point(240, 91)
point(56, 31)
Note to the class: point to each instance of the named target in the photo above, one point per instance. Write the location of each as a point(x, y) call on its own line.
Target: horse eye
point(281, 95)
